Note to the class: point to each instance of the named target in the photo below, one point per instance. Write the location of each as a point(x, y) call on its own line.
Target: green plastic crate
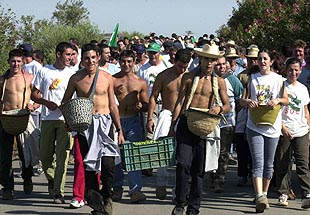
point(148, 154)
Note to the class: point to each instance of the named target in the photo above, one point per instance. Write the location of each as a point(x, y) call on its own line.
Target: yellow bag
point(264, 115)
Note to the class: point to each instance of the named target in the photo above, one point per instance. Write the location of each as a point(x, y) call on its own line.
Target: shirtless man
point(191, 149)
point(131, 92)
point(17, 80)
point(104, 112)
point(167, 84)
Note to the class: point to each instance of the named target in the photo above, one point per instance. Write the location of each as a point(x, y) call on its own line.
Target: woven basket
point(78, 113)
point(263, 115)
point(15, 122)
point(201, 123)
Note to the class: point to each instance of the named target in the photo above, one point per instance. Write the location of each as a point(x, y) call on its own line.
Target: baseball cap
point(153, 47)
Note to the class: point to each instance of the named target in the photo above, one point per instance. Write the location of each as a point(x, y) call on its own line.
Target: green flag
point(113, 39)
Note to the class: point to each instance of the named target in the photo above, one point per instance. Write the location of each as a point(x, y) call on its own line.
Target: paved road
point(233, 201)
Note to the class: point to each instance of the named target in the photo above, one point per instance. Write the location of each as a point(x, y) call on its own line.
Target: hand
point(215, 110)
point(150, 126)
point(273, 102)
point(121, 139)
point(138, 106)
point(252, 103)
point(30, 107)
point(287, 133)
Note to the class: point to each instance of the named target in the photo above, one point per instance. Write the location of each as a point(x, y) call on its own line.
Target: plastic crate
point(148, 154)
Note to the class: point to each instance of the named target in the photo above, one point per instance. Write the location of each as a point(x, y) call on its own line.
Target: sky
point(163, 17)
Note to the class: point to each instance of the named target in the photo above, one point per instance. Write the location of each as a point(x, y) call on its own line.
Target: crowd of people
point(149, 88)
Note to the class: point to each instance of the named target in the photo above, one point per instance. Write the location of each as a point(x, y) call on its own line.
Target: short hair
point(127, 53)
point(292, 60)
point(299, 43)
point(183, 55)
point(16, 53)
point(39, 54)
point(62, 46)
point(90, 47)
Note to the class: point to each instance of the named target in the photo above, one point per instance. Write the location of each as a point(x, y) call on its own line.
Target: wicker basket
point(201, 123)
point(15, 122)
point(263, 115)
point(78, 113)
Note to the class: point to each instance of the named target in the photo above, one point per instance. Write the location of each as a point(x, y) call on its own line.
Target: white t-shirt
point(149, 73)
point(33, 67)
point(264, 88)
point(293, 115)
point(45, 81)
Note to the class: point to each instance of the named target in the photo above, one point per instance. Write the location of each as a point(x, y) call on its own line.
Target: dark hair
point(16, 53)
point(39, 54)
point(127, 53)
point(292, 60)
point(287, 50)
point(74, 41)
point(270, 53)
point(183, 55)
point(90, 47)
point(115, 55)
point(62, 46)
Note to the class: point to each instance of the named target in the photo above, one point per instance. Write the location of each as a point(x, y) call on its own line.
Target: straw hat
point(231, 53)
point(231, 43)
point(252, 51)
point(211, 51)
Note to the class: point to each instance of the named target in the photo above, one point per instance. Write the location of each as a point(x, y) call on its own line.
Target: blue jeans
point(263, 151)
point(132, 131)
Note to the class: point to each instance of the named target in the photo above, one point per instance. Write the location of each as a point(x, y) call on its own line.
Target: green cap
point(153, 47)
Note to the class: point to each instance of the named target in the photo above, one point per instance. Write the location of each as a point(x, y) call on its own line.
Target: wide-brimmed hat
point(252, 51)
point(231, 53)
point(211, 51)
point(231, 43)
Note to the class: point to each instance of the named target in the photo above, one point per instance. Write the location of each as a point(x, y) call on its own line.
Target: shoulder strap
point(94, 85)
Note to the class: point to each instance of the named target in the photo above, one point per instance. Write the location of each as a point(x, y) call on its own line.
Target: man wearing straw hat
point(95, 142)
point(191, 149)
point(15, 89)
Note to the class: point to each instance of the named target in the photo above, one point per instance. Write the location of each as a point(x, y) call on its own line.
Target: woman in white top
point(264, 88)
point(295, 136)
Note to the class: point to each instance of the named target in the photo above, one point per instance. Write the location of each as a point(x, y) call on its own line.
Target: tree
point(71, 13)
point(268, 23)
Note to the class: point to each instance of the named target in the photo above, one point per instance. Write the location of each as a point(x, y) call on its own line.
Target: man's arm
point(142, 105)
point(114, 111)
point(69, 90)
point(223, 96)
point(36, 96)
point(157, 88)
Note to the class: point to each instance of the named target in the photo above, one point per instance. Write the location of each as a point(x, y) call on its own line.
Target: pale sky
point(160, 16)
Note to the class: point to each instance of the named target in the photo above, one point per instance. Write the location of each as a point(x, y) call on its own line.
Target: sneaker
point(191, 212)
point(59, 199)
point(218, 188)
point(95, 200)
point(305, 203)
point(161, 193)
point(242, 181)
point(282, 201)
point(137, 196)
point(50, 187)
point(108, 206)
point(261, 204)
point(28, 186)
point(76, 203)
point(117, 194)
point(8, 195)
point(177, 210)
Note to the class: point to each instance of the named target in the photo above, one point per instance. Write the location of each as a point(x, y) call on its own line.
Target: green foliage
point(50, 35)
point(268, 23)
point(70, 13)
